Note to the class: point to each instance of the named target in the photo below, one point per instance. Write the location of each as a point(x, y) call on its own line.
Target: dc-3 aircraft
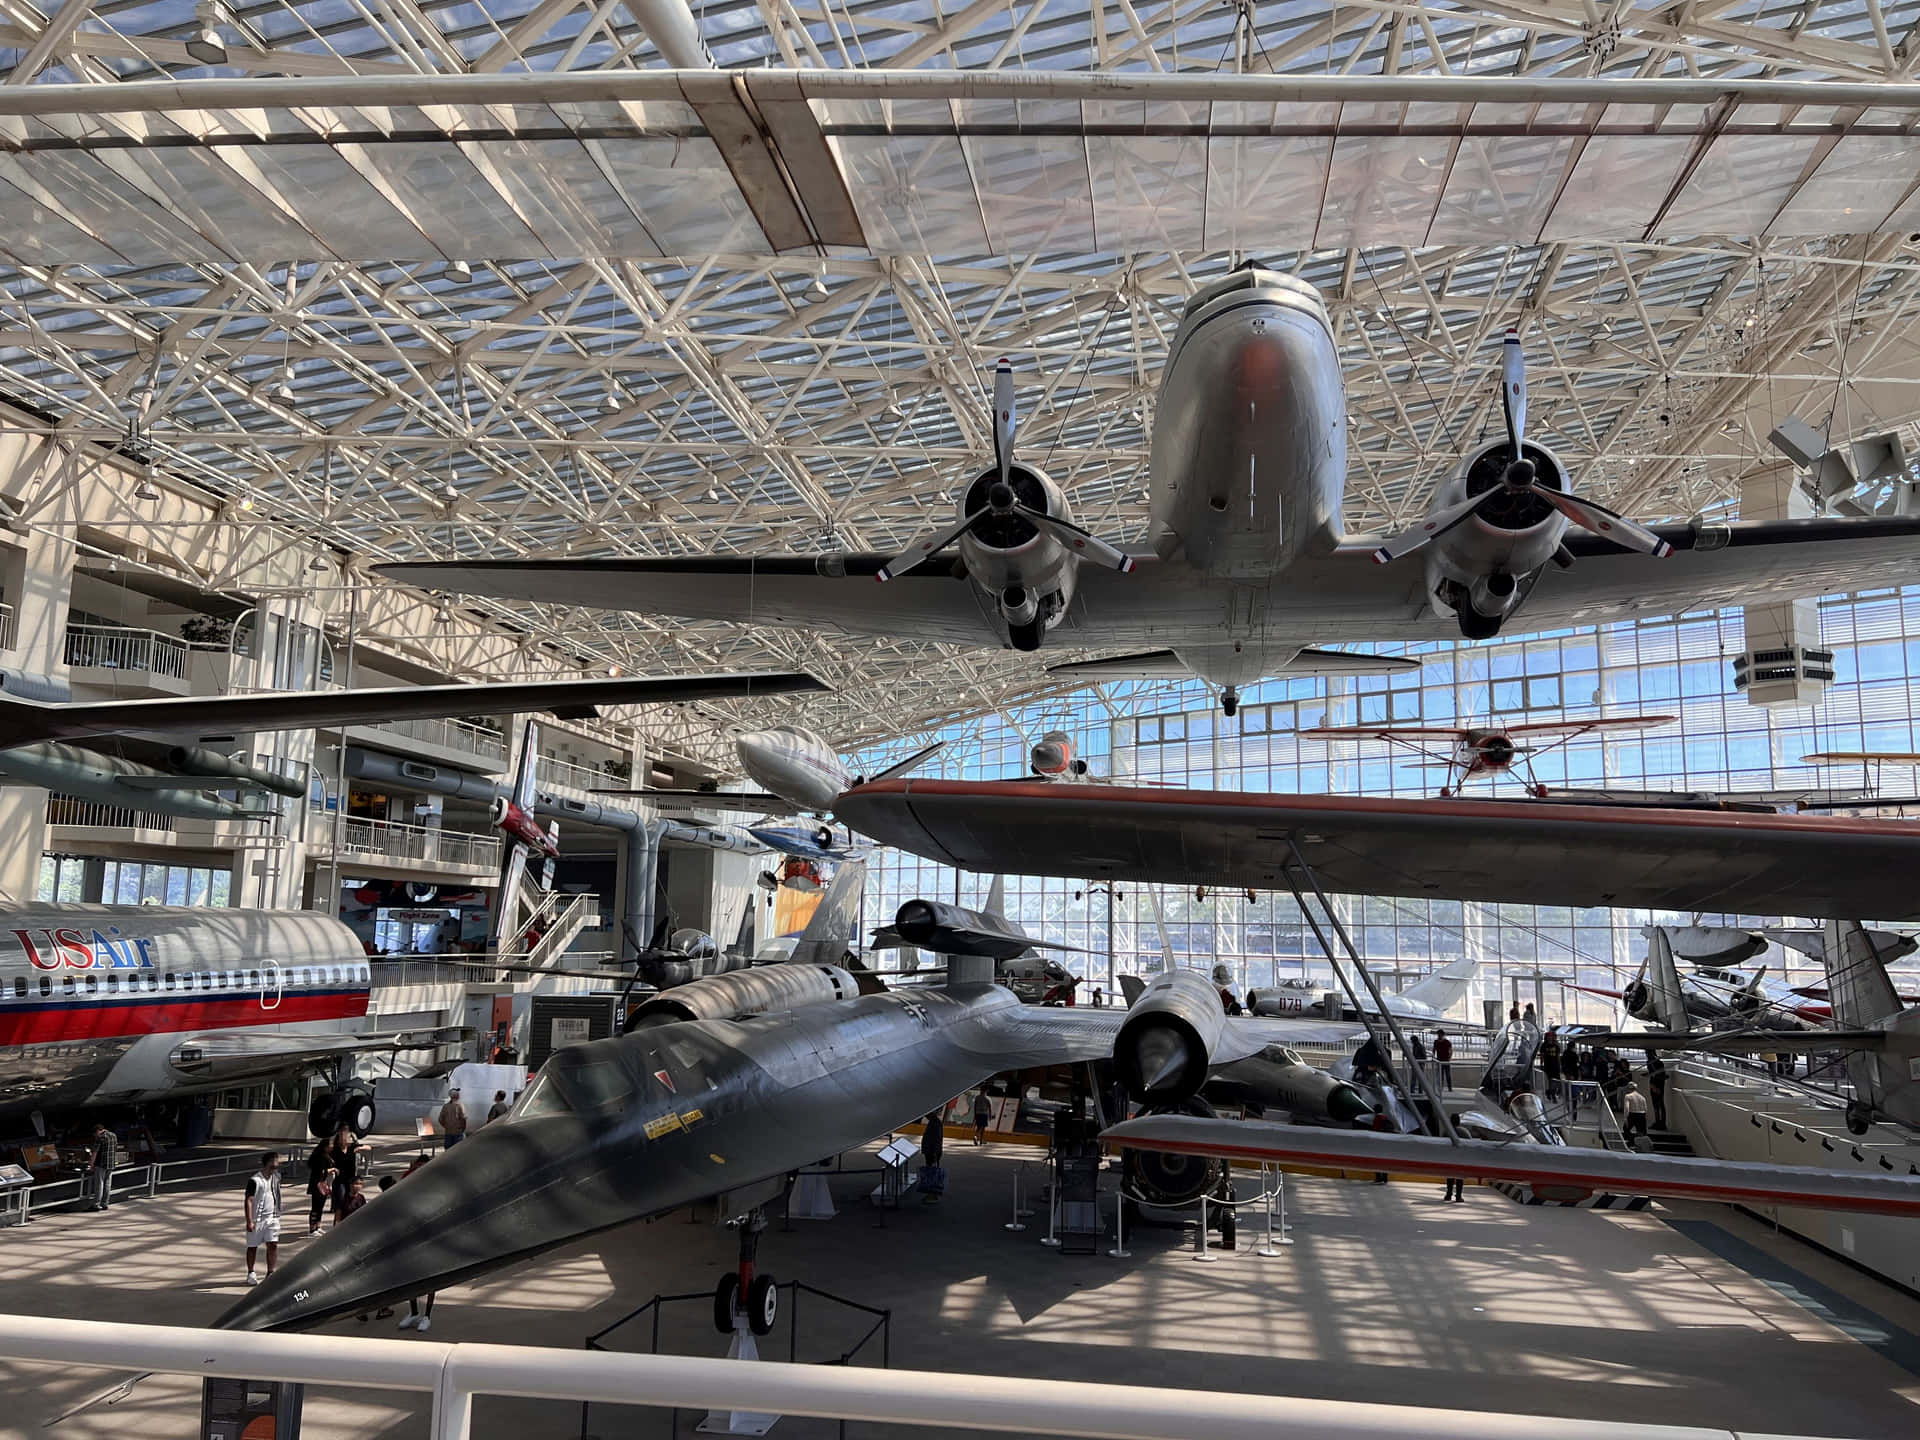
point(1248, 568)
point(729, 1085)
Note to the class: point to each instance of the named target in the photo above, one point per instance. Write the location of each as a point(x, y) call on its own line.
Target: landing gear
point(761, 1296)
point(349, 1104)
point(1229, 702)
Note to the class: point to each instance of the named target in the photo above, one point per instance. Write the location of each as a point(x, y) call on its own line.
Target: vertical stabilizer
point(1444, 987)
point(1666, 1001)
point(1863, 998)
point(997, 896)
point(830, 930)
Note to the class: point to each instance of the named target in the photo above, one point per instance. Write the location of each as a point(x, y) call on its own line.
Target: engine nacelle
point(199, 761)
point(1164, 1049)
point(1027, 573)
point(763, 990)
point(1483, 568)
point(1053, 757)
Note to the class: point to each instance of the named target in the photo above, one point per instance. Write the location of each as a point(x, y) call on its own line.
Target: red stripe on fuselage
point(50, 1021)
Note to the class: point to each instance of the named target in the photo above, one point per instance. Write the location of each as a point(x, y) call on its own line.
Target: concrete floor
point(1387, 1295)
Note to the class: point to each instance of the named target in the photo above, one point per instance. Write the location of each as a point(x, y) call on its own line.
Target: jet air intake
point(1166, 1045)
point(211, 764)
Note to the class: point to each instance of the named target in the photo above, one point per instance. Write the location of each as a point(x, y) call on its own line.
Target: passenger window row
point(305, 977)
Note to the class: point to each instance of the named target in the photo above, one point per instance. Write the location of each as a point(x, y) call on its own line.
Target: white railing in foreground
point(454, 1374)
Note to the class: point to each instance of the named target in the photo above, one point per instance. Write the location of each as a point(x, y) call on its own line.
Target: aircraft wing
point(23, 722)
point(1548, 1168)
point(683, 800)
point(1745, 1042)
point(237, 1054)
point(810, 592)
point(1512, 851)
point(1382, 732)
point(1582, 727)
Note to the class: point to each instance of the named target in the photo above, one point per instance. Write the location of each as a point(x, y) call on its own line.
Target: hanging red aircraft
point(1488, 749)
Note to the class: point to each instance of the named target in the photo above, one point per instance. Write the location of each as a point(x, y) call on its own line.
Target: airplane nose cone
point(509, 1190)
point(1346, 1104)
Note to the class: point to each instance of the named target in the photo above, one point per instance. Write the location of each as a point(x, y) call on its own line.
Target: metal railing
point(397, 841)
point(459, 735)
point(68, 810)
point(9, 627)
point(114, 647)
point(455, 1374)
point(137, 1181)
point(577, 777)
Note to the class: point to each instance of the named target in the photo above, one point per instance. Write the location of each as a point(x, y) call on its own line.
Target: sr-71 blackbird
point(1247, 567)
point(782, 1065)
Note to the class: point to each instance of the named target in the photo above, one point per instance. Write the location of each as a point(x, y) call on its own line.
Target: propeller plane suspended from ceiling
point(1246, 568)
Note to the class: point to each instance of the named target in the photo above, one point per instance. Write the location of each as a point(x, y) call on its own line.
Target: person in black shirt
point(319, 1183)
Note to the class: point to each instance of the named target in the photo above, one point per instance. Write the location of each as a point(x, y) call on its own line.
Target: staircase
point(1670, 1142)
point(570, 915)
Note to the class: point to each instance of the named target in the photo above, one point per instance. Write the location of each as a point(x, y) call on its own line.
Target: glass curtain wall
point(1174, 734)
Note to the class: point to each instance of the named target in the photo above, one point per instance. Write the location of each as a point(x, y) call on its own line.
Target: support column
point(38, 582)
point(639, 869)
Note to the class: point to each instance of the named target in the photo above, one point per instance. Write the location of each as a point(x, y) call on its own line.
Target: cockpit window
point(570, 1086)
point(542, 1097)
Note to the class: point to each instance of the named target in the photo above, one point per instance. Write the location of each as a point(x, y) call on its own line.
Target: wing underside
point(1545, 1167)
point(1503, 851)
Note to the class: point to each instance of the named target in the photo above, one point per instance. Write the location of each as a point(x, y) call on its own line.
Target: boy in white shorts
point(263, 1213)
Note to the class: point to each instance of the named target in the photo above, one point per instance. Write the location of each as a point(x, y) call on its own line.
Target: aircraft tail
point(1664, 1004)
point(1863, 998)
point(912, 762)
point(830, 932)
point(1444, 987)
point(510, 900)
point(1132, 987)
point(997, 896)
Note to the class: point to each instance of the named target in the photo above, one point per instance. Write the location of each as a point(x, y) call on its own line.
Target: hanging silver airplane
point(1429, 998)
point(1247, 567)
point(798, 772)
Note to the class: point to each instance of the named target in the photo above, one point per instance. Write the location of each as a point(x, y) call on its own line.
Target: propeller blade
point(1431, 528)
point(1592, 516)
point(1083, 543)
point(917, 552)
point(1003, 417)
point(1513, 389)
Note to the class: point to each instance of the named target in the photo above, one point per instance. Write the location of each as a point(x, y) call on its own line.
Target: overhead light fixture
point(207, 46)
point(713, 495)
point(816, 292)
point(282, 391)
point(146, 489)
point(1732, 427)
point(316, 563)
point(460, 272)
point(613, 400)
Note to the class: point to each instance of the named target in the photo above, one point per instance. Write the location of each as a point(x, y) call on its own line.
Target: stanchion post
point(1266, 1249)
point(1119, 1249)
point(1200, 1251)
point(1053, 1210)
point(1014, 1224)
point(1280, 1179)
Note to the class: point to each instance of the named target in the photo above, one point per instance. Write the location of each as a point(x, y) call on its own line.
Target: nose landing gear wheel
point(763, 1304)
point(726, 1299)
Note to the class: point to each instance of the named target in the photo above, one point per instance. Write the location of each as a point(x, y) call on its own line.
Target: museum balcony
point(394, 849)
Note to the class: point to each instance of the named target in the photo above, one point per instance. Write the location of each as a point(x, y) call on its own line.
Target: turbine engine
point(1164, 1049)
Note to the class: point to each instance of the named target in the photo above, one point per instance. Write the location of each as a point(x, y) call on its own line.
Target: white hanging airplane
point(1248, 568)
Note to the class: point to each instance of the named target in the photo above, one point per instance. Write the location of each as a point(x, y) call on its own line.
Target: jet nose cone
point(510, 1190)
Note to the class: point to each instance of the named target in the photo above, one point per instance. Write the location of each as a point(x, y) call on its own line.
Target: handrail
point(455, 1374)
point(116, 647)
